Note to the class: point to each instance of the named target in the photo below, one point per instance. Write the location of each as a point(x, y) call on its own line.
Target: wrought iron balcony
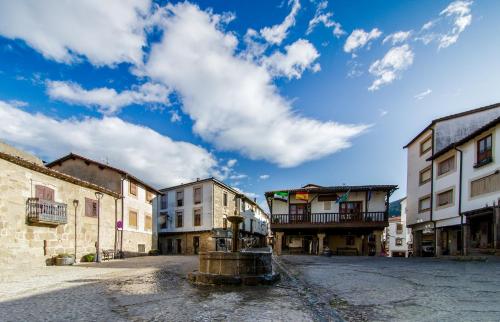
point(334, 219)
point(46, 212)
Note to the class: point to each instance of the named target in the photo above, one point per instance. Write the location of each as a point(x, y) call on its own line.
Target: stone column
point(438, 242)
point(321, 238)
point(496, 228)
point(378, 243)
point(466, 237)
point(277, 242)
point(417, 242)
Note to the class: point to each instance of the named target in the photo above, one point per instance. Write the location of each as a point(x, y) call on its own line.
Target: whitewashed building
point(192, 217)
point(444, 164)
point(397, 236)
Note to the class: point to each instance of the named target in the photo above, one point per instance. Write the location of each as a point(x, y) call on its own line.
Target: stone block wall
point(220, 211)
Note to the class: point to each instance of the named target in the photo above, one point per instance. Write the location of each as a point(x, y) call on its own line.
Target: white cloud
point(298, 57)
point(175, 117)
point(106, 32)
point(421, 96)
point(238, 176)
point(397, 37)
point(231, 162)
point(359, 38)
point(264, 177)
point(325, 18)
point(428, 25)
point(127, 146)
point(108, 100)
point(389, 68)
point(232, 101)
point(460, 13)
point(277, 33)
point(382, 112)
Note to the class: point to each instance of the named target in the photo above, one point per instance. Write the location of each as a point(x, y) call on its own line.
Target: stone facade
point(169, 243)
point(27, 244)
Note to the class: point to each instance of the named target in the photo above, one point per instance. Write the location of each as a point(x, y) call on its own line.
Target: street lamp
point(75, 204)
point(99, 196)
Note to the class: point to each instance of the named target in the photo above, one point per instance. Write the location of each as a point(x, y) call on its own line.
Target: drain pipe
point(460, 202)
point(432, 195)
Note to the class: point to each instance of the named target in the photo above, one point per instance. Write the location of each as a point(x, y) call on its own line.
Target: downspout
point(460, 202)
point(432, 193)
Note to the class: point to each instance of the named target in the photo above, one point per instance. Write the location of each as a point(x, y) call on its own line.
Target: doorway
point(196, 244)
point(170, 246)
point(179, 246)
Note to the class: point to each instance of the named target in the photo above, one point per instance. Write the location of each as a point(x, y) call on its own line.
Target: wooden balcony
point(46, 212)
point(329, 220)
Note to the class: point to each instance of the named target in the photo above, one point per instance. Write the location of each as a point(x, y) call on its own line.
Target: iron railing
point(46, 212)
point(329, 218)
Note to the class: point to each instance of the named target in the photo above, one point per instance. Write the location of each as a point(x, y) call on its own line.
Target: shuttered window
point(133, 189)
point(224, 199)
point(90, 207)
point(44, 193)
point(178, 219)
point(197, 195)
point(424, 204)
point(445, 198)
point(446, 166)
point(197, 217)
point(485, 185)
point(426, 145)
point(180, 198)
point(132, 219)
point(149, 196)
point(148, 222)
point(164, 199)
point(425, 175)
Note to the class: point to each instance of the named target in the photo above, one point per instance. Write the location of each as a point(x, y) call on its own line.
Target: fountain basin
point(251, 267)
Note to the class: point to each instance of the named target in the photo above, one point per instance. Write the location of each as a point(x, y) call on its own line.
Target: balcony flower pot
point(64, 260)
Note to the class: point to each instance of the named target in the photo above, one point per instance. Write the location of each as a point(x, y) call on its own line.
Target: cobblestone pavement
point(399, 289)
point(141, 289)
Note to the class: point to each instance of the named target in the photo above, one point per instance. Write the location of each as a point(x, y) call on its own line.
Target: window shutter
point(49, 194)
point(40, 192)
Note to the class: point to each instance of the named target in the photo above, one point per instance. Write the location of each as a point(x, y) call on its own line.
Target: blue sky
point(253, 92)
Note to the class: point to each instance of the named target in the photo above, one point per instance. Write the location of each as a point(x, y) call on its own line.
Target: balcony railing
point(46, 212)
point(329, 218)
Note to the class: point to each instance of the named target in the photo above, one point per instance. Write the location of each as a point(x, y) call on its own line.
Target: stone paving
point(312, 288)
point(400, 289)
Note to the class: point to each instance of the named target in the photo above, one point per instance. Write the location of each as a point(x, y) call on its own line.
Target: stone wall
point(221, 211)
point(132, 240)
point(30, 245)
point(187, 246)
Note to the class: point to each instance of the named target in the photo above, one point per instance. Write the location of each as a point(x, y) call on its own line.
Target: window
point(399, 228)
point(484, 150)
point(224, 199)
point(149, 196)
point(178, 219)
point(399, 241)
point(327, 205)
point(197, 217)
point(485, 185)
point(132, 189)
point(90, 207)
point(163, 201)
point(132, 219)
point(426, 145)
point(197, 195)
point(349, 240)
point(251, 225)
point(148, 222)
point(425, 175)
point(424, 204)
point(141, 248)
point(180, 198)
point(162, 220)
point(445, 198)
point(350, 207)
point(44, 193)
point(446, 165)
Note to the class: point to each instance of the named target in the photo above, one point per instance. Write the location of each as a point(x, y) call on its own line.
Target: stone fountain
point(248, 266)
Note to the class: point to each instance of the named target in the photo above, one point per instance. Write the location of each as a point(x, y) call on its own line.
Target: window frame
point(130, 185)
point(398, 241)
point(420, 210)
point(399, 231)
point(422, 151)
point(146, 228)
point(130, 211)
point(94, 207)
point(350, 240)
point(225, 199)
point(485, 157)
point(195, 224)
point(164, 201)
point(451, 169)
point(179, 213)
point(179, 202)
point(483, 178)
point(452, 198)
point(428, 168)
point(197, 202)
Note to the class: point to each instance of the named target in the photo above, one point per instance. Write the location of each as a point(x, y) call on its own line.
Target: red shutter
point(49, 194)
point(39, 192)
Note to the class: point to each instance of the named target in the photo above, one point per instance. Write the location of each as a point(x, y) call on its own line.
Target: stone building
point(444, 162)
point(348, 220)
point(136, 233)
point(192, 217)
point(44, 212)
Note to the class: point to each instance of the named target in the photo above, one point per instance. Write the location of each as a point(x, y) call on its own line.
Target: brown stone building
point(137, 234)
point(44, 212)
point(349, 220)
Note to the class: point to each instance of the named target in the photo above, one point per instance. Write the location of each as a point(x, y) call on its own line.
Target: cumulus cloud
point(128, 146)
point(397, 37)
point(390, 66)
point(108, 100)
point(298, 57)
point(421, 96)
point(232, 101)
point(105, 32)
point(325, 18)
point(360, 38)
point(277, 33)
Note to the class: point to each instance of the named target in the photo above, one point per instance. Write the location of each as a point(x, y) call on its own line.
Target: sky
point(264, 95)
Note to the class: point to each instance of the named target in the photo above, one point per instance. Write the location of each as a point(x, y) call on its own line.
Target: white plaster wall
point(139, 204)
point(414, 190)
point(470, 173)
point(444, 182)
